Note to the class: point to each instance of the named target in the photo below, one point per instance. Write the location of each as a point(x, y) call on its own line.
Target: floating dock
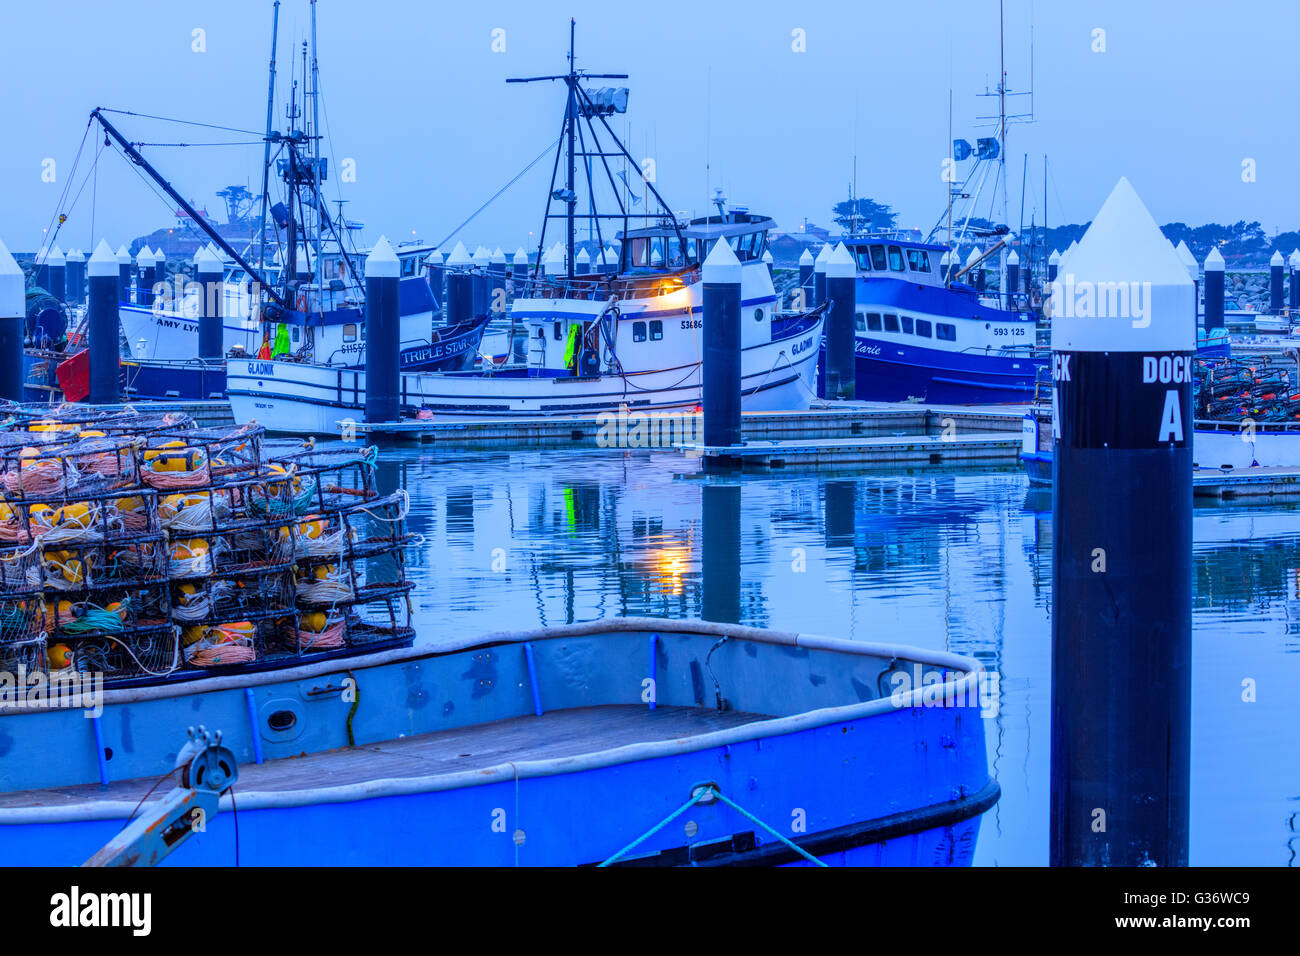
point(843, 422)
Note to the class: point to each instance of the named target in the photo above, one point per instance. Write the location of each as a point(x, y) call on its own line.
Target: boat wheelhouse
point(921, 336)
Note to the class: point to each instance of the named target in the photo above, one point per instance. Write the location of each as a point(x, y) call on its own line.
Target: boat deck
point(560, 733)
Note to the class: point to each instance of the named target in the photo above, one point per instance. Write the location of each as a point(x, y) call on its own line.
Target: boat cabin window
point(918, 260)
point(634, 253)
point(638, 331)
point(863, 257)
point(559, 335)
point(942, 330)
point(408, 267)
point(350, 332)
point(294, 333)
point(906, 320)
point(677, 257)
point(860, 321)
point(923, 328)
point(896, 259)
point(873, 321)
point(878, 258)
point(693, 250)
point(656, 330)
point(891, 323)
point(657, 252)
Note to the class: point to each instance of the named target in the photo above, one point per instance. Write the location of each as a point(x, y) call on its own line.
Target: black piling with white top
point(383, 335)
point(1213, 290)
point(1122, 546)
point(13, 317)
point(721, 273)
point(208, 270)
point(841, 291)
point(105, 277)
point(460, 287)
point(819, 275)
point(1275, 267)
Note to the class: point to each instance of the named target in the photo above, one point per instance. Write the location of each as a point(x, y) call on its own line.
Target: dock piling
point(13, 318)
point(1275, 265)
point(721, 273)
point(806, 278)
point(105, 277)
point(841, 291)
point(208, 270)
point(819, 275)
point(74, 277)
point(125, 270)
point(383, 334)
point(1122, 550)
point(1213, 290)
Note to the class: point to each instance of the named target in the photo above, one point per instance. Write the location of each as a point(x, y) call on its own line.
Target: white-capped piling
point(1293, 282)
point(74, 278)
point(520, 264)
point(1188, 259)
point(497, 270)
point(1053, 266)
point(1214, 290)
point(1011, 287)
point(208, 271)
point(1275, 267)
point(721, 274)
point(57, 276)
point(819, 275)
point(768, 261)
point(841, 292)
point(1123, 343)
point(582, 263)
point(125, 274)
point(433, 275)
point(806, 277)
point(974, 277)
point(13, 318)
point(460, 286)
point(144, 261)
point(104, 275)
point(383, 334)
point(611, 259)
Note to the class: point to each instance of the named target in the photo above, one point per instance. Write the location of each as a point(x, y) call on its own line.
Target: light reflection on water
point(958, 562)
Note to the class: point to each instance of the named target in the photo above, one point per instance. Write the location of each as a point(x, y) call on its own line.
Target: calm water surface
point(956, 562)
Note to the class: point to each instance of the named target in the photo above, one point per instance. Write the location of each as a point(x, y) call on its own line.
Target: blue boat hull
point(850, 772)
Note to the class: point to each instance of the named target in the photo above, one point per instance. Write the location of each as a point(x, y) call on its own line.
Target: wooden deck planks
point(563, 733)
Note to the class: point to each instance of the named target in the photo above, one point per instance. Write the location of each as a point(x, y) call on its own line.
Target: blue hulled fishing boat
point(718, 745)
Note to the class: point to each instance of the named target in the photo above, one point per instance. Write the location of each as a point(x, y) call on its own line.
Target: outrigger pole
point(579, 104)
point(134, 155)
point(266, 153)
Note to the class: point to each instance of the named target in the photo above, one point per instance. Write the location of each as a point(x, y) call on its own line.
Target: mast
point(571, 200)
point(316, 167)
point(266, 153)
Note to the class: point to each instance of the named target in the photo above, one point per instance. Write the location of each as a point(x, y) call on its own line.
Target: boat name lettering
point(800, 347)
point(261, 368)
point(1061, 368)
point(692, 324)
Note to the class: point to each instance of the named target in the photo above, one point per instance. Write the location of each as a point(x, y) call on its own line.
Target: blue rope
point(658, 826)
point(703, 793)
point(788, 842)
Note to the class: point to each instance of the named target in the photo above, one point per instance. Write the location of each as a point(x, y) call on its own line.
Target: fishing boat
point(596, 342)
point(308, 301)
point(922, 336)
point(718, 744)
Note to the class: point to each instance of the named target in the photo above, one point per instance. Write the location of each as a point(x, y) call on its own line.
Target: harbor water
point(945, 561)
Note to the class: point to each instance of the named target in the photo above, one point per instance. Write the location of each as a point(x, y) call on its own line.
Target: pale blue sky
point(416, 97)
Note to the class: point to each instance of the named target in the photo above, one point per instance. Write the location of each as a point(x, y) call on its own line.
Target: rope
point(711, 791)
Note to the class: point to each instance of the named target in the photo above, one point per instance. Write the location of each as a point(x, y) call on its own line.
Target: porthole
point(282, 720)
point(758, 315)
